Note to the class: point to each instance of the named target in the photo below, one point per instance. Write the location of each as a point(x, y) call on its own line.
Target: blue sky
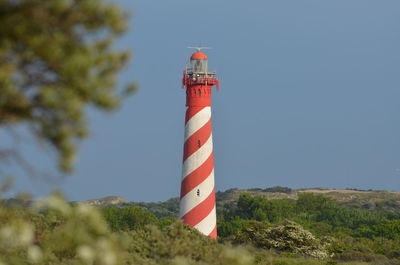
point(309, 98)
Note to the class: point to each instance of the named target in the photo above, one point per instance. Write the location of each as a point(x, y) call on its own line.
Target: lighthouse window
point(199, 143)
point(199, 66)
point(199, 92)
point(198, 192)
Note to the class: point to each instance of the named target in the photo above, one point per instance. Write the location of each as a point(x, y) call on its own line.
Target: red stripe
point(213, 233)
point(191, 111)
point(196, 140)
point(197, 176)
point(201, 211)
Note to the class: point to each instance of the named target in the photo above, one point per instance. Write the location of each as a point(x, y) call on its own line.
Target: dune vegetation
point(312, 229)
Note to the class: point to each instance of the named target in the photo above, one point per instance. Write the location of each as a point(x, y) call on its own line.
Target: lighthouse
point(197, 198)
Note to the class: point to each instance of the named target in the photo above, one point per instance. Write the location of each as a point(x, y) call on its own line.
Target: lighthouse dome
point(199, 56)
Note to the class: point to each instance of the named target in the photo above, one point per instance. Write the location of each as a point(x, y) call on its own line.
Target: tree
point(56, 59)
point(128, 218)
point(261, 209)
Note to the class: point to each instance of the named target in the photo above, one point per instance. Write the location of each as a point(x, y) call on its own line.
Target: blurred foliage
point(56, 233)
point(56, 59)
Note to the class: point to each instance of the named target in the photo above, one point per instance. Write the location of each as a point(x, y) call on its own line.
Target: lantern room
point(199, 63)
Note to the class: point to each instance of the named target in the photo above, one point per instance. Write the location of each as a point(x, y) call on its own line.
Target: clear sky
point(309, 97)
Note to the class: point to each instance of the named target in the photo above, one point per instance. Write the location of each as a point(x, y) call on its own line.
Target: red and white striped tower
point(197, 203)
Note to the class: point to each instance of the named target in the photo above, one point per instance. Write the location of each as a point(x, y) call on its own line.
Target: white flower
point(108, 258)
point(107, 255)
point(92, 217)
point(35, 254)
point(86, 254)
point(26, 234)
point(18, 234)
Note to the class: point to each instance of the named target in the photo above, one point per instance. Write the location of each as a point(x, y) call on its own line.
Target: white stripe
point(197, 121)
point(191, 199)
point(207, 225)
point(196, 159)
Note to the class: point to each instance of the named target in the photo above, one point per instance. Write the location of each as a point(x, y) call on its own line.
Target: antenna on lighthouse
point(199, 48)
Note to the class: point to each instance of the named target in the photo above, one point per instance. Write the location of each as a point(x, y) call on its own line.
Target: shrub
point(279, 189)
point(128, 218)
point(287, 236)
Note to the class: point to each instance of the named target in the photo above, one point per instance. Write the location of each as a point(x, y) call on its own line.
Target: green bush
point(57, 233)
point(287, 236)
point(128, 218)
